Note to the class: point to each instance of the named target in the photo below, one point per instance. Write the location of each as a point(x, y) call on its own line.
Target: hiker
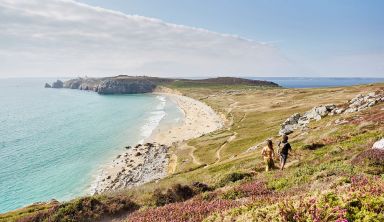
point(284, 148)
point(268, 153)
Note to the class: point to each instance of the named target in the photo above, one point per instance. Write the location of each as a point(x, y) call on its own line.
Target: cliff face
point(125, 86)
point(112, 85)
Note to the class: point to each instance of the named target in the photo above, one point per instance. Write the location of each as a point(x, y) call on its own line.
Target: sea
point(305, 82)
point(53, 142)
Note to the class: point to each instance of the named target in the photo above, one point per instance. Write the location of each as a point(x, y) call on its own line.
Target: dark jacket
point(286, 147)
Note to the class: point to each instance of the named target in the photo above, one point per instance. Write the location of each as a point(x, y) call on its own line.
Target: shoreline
point(148, 161)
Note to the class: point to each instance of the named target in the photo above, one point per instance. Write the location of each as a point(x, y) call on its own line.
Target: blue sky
point(274, 37)
point(301, 28)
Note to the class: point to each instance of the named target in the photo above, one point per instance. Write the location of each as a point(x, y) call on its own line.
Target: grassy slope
point(253, 115)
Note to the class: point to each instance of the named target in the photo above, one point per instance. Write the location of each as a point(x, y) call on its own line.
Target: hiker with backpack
point(284, 148)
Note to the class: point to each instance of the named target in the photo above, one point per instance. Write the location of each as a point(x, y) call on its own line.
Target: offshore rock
point(47, 85)
point(58, 84)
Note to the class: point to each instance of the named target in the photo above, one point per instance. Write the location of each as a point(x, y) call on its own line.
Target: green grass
point(256, 114)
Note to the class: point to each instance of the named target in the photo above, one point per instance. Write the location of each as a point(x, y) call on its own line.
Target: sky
point(184, 38)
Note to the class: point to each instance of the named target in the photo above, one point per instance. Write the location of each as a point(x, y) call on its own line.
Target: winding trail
point(172, 164)
point(218, 152)
point(192, 155)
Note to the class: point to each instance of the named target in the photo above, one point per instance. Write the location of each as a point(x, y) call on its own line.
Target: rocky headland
point(143, 84)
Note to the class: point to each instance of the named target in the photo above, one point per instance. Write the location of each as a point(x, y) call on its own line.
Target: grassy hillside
point(332, 175)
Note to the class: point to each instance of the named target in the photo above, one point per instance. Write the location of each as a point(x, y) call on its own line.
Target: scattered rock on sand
point(135, 168)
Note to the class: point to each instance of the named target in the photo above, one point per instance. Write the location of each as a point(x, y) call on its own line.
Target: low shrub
point(232, 177)
point(372, 160)
point(254, 188)
point(192, 211)
point(362, 201)
point(313, 146)
point(278, 184)
point(176, 193)
point(84, 209)
point(251, 189)
point(201, 187)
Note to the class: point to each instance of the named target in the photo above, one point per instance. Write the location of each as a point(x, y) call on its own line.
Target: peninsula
point(124, 84)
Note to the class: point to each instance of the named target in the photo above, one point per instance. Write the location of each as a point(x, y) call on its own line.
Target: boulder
point(58, 84)
point(318, 112)
point(47, 85)
point(379, 144)
point(338, 110)
point(286, 130)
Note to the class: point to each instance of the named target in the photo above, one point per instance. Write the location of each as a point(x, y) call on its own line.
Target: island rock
point(58, 84)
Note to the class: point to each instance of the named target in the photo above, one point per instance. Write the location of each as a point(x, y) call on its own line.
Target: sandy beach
point(149, 161)
point(199, 119)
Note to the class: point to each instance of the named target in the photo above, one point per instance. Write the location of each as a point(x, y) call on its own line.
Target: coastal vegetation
point(332, 174)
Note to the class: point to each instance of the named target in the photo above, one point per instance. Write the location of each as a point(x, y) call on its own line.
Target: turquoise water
point(53, 141)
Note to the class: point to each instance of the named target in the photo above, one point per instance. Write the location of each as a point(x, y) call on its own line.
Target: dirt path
point(218, 152)
point(194, 159)
point(233, 136)
point(172, 164)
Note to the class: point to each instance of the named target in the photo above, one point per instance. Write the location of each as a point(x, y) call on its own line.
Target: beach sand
point(149, 161)
point(199, 119)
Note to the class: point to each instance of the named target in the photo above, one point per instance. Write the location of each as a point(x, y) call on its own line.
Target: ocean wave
point(154, 119)
point(161, 105)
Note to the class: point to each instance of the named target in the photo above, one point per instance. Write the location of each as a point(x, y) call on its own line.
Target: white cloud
point(62, 37)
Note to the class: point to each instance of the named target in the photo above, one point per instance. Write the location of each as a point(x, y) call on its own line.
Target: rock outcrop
point(47, 85)
point(300, 121)
point(58, 84)
point(379, 144)
point(361, 102)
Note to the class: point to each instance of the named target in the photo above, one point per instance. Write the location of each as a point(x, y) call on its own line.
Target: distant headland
point(124, 84)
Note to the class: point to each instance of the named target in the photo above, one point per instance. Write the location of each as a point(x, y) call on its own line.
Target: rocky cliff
point(113, 85)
